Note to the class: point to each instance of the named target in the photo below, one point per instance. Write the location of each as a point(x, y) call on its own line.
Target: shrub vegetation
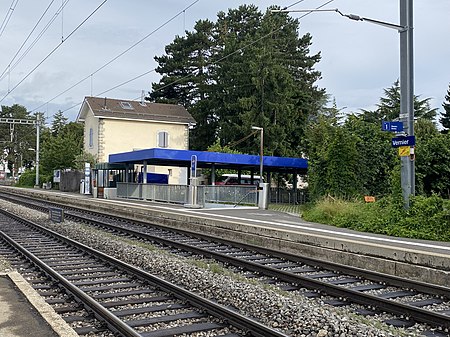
point(427, 218)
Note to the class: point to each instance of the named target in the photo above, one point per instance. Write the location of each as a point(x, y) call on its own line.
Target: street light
point(261, 152)
point(37, 150)
point(406, 81)
point(38, 123)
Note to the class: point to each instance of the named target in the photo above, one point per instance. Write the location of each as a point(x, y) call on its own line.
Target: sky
point(359, 59)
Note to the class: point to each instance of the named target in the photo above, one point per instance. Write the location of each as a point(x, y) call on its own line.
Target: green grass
point(286, 208)
point(427, 218)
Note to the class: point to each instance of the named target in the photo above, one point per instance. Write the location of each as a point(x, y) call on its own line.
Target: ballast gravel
point(290, 313)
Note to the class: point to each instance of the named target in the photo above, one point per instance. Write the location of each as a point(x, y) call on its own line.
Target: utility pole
point(38, 131)
point(37, 121)
point(407, 96)
point(405, 29)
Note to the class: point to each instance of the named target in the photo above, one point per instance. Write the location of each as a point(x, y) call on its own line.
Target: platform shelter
point(211, 160)
point(203, 159)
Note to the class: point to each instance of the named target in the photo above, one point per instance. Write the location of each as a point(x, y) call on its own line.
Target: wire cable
point(9, 13)
point(41, 33)
point(26, 40)
point(180, 79)
point(54, 49)
point(244, 47)
point(220, 60)
point(121, 54)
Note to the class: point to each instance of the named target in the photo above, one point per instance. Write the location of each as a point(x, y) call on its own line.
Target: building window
point(163, 139)
point(91, 138)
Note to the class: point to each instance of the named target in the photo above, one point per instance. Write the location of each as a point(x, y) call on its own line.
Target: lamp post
point(261, 152)
point(406, 82)
point(37, 150)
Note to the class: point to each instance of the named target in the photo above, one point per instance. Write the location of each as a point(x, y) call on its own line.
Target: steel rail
point(418, 314)
point(240, 321)
point(354, 271)
point(112, 321)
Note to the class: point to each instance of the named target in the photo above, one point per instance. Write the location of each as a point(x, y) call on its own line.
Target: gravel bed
point(294, 315)
point(5, 267)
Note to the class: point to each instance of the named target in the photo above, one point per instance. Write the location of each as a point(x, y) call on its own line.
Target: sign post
point(193, 166)
point(56, 214)
point(87, 178)
point(193, 189)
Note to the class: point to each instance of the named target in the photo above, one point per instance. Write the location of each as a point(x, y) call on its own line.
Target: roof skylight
point(126, 105)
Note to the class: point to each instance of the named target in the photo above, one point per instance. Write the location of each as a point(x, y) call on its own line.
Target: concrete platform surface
point(24, 313)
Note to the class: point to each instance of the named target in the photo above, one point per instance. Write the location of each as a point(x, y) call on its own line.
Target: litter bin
point(263, 200)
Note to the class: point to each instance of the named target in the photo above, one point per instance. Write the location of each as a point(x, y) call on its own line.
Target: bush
point(427, 217)
point(28, 179)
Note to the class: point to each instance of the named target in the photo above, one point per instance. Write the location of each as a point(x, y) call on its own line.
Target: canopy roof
point(182, 158)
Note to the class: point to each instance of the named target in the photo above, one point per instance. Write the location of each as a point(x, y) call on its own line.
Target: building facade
point(115, 126)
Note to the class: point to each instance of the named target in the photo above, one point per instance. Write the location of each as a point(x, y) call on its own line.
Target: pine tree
point(389, 107)
point(59, 122)
point(445, 119)
point(245, 69)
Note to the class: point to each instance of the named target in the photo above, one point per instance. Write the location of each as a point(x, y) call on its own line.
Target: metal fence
point(176, 194)
point(285, 196)
point(231, 194)
point(179, 194)
point(129, 190)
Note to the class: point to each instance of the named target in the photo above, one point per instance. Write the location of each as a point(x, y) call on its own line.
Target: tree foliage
point(60, 150)
point(59, 123)
point(388, 109)
point(357, 149)
point(445, 119)
point(17, 141)
point(246, 68)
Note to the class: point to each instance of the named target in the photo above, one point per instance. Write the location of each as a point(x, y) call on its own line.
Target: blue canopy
point(205, 159)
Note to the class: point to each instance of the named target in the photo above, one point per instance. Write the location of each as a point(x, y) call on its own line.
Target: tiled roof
point(133, 110)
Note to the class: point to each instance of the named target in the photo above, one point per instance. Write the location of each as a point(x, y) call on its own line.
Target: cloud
point(359, 59)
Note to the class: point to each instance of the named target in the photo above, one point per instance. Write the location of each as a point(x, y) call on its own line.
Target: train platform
point(23, 313)
point(427, 261)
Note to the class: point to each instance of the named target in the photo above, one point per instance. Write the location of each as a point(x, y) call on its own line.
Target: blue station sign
point(392, 126)
point(403, 141)
point(194, 161)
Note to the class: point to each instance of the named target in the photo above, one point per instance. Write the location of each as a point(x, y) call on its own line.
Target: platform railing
point(129, 190)
point(228, 194)
point(178, 194)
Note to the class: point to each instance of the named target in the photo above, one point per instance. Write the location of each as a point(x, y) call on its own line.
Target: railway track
point(408, 300)
point(99, 294)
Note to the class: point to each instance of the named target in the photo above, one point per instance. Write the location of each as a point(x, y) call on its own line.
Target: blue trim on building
point(182, 158)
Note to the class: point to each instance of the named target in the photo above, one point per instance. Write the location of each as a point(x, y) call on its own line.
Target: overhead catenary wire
point(119, 55)
point(8, 67)
point(9, 13)
point(42, 32)
point(54, 49)
point(244, 47)
point(214, 63)
point(240, 49)
point(187, 76)
point(115, 87)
